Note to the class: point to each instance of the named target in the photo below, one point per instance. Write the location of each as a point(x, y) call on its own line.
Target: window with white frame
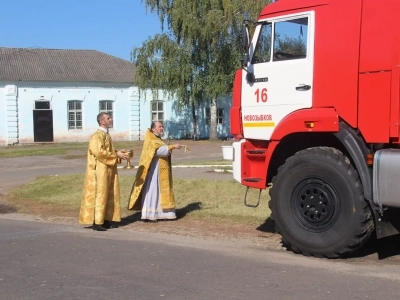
point(157, 110)
point(74, 114)
point(106, 107)
point(220, 115)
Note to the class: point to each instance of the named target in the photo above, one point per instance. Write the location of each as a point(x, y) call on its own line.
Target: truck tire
point(318, 206)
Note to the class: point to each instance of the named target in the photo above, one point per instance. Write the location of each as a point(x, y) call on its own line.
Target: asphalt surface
point(52, 261)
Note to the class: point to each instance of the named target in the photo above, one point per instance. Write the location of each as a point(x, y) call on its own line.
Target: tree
point(291, 45)
point(195, 58)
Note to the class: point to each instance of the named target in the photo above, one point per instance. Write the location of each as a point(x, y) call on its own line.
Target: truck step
point(252, 205)
point(252, 179)
point(256, 152)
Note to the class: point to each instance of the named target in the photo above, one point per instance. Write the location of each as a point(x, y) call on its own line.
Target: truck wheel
point(318, 206)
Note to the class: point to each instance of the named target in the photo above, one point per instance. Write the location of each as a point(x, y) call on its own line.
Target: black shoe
point(99, 227)
point(109, 224)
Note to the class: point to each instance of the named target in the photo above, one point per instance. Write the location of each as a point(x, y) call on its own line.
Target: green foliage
point(196, 57)
point(293, 46)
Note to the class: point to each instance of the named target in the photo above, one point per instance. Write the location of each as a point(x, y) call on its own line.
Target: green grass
point(196, 199)
point(205, 162)
point(7, 152)
point(58, 149)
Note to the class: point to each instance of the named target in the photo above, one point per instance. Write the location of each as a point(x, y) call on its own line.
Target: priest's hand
point(122, 154)
point(177, 146)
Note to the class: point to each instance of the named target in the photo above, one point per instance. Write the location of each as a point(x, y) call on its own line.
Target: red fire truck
point(316, 113)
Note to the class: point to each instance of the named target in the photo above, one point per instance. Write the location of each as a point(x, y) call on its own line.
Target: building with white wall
point(52, 95)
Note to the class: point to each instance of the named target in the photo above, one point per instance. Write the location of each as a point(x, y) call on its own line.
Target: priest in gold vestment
point(100, 204)
point(152, 190)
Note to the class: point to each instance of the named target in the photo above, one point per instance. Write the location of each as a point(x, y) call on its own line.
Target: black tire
point(318, 205)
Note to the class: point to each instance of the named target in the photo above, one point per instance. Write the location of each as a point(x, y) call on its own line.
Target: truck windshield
point(262, 51)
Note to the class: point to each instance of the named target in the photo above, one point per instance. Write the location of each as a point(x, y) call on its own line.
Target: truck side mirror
point(250, 77)
point(245, 59)
point(245, 36)
point(245, 43)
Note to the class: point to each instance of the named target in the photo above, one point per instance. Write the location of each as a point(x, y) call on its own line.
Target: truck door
point(281, 59)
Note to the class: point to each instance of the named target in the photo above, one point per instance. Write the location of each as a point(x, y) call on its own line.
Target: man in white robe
point(152, 191)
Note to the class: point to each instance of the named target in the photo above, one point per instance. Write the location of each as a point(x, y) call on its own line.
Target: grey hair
point(153, 124)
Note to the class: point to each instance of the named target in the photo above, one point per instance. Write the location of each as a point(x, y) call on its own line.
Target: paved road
point(51, 261)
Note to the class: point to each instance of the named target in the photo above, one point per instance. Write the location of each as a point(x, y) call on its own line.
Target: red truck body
point(353, 86)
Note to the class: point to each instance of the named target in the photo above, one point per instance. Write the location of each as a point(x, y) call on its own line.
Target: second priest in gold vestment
point(152, 190)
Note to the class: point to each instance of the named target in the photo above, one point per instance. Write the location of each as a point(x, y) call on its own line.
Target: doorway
point(43, 122)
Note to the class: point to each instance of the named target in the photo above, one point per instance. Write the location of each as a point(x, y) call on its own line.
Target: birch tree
point(195, 57)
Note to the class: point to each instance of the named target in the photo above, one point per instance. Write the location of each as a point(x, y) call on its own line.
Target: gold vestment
point(101, 196)
point(150, 146)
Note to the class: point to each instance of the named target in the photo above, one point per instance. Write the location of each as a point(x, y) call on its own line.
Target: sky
point(114, 27)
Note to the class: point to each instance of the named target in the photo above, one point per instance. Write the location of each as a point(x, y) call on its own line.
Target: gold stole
point(150, 146)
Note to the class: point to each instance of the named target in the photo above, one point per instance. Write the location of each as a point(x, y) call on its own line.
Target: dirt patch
point(7, 209)
point(204, 230)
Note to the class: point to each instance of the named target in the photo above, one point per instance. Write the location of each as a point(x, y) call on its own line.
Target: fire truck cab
point(315, 112)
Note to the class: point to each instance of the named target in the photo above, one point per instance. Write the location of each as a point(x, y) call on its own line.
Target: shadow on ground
point(385, 248)
point(180, 213)
point(267, 226)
